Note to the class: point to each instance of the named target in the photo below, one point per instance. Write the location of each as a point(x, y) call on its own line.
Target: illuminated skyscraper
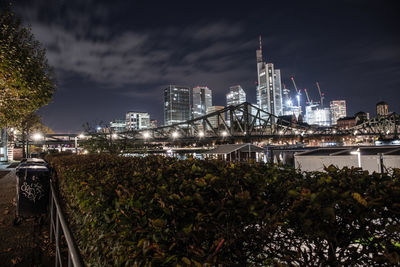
point(176, 104)
point(338, 110)
point(202, 99)
point(269, 89)
point(235, 96)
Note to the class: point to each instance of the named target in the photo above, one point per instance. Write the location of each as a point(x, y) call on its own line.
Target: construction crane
point(308, 97)
point(321, 95)
point(294, 83)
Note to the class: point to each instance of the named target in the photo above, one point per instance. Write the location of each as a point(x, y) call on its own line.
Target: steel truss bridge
point(247, 122)
point(244, 122)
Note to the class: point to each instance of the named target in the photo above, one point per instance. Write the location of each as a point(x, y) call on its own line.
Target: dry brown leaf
point(6, 211)
point(16, 261)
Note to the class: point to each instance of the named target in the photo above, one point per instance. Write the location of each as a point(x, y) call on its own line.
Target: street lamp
point(201, 134)
point(146, 135)
point(358, 153)
point(224, 133)
point(37, 136)
point(175, 134)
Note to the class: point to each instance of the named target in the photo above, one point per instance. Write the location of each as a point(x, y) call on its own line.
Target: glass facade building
point(269, 88)
point(202, 100)
point(235, 97)
point(176, 104)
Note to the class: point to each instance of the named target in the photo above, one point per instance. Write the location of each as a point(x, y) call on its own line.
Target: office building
point(269, 89)
point(315, 115)
point(216, 120)
point(137, 120)
point(338, 110)
point(382, 109)
point(118, 126)
point(176, 104)
point(202, 99)
point(235, 97)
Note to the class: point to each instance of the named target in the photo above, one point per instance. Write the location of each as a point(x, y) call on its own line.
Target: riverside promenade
point(24, 242)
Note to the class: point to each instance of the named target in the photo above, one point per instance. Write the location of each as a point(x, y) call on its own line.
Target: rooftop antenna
point(259, 51)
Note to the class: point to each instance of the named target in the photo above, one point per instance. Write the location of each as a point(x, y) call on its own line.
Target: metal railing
point(59, 226)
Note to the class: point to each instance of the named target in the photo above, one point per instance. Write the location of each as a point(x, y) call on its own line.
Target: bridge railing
point(59, 228)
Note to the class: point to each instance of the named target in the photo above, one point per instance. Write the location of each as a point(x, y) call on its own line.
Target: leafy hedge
point(162, 211)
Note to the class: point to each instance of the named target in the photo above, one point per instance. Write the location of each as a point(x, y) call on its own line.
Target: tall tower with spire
point(269, 86)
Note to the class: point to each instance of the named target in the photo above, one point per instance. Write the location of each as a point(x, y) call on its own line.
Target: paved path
point(24, 244)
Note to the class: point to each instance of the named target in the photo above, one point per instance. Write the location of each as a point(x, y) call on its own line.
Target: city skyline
point(112, 61)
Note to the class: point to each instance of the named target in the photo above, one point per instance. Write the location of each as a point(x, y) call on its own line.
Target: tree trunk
point(23, 144)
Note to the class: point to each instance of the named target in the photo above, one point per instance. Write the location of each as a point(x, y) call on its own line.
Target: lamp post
point(358, 153)
point(36, 137)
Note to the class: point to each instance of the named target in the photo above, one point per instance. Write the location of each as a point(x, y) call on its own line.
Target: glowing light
point(175, 134)
point(146, 135)
point(289, 102)
point(224, 133)
point(98, 128)
point(280, 132)
point(114, 136)
point(81, 136)
point(85, 152)
point(201, 134)
point(37, 136)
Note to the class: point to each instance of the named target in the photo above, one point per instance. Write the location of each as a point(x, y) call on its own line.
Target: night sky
point(114, 56)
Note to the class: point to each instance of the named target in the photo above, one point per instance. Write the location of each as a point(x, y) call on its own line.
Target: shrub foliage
point(159, 211)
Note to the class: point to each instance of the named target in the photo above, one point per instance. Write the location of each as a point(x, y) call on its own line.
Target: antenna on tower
point(259, 51)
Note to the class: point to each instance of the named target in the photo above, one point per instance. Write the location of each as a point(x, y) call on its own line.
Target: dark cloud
point(111, 57)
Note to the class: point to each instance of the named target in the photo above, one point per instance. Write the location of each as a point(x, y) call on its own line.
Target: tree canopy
point(27, 81)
